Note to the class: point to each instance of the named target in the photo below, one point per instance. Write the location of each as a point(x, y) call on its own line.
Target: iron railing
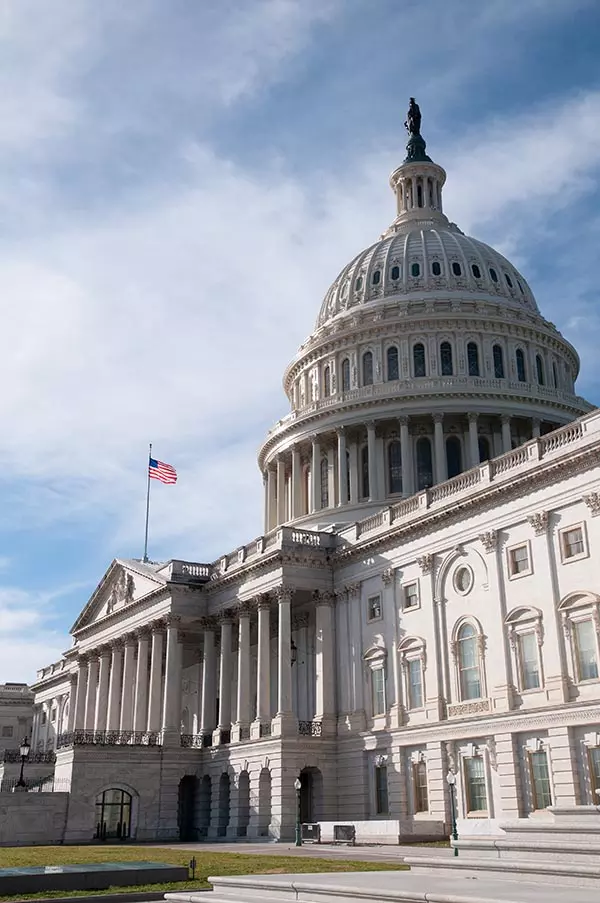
point(310, 728)
point(108, 738)
point(192, 741)
point(265, 729)
point(34, 757)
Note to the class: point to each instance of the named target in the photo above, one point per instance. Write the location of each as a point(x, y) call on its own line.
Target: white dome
point(426, 262)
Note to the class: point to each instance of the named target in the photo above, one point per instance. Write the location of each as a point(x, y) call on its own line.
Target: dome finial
point(415, 149)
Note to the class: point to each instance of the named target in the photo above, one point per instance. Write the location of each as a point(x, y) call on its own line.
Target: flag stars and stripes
point(158, 470)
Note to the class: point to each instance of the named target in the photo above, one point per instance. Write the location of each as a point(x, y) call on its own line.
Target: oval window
point(376, 277)
point(463, 580)
point(436, 268)
point(493, 275)
point(415, 269)
point(508, 280)
point(476, 271)
point(456, 269)
point(395, 273)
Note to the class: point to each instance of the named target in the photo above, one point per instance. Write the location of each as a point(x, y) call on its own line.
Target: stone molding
point(489, 540)
point(426, 562)
point(539, 522)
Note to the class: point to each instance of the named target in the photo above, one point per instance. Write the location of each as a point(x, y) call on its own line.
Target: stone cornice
point(163, 592)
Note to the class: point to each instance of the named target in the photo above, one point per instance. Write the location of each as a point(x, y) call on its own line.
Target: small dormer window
point(476, 271)
point(436, 268)
point(376, 277)
point(493, 275)
point(415, 270)
point(456, 269)
point(359, 284)
point(395, 273)
point(508, 280)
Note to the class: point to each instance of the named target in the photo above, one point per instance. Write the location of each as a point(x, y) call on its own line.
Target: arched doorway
point(186, 812)
point(204, 805)
point(264, 802)
point(311, 795)
point(243, 803)
point(113, 815)
point(224, 800)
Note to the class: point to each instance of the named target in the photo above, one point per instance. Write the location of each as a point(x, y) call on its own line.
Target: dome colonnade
point(429, 356)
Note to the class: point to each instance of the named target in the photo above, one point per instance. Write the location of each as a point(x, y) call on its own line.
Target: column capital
point(73, 680)
point(489, 540)
point(244, 609)
point(353, 589)
point(505, 418)
point(142, 633)
point(388, 576)
point(371, 425)
point(172, 620)
point(104, 650)
point(341, 431)
point(129, 639)
point(404, 420)
point(208, 624)
point(437, 418)
point(263, 601)
point(227, 616)
point(284, 594)
point(92, 657)
point(539, 522)
point(321, 597)
point(473, 416)
point(116, 644)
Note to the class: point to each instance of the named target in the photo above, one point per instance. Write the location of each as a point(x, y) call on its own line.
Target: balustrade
point(108, 738)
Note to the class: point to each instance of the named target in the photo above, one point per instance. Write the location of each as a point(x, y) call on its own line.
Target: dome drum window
point(508, 280)
point(419, 365)
point(446, 359)
point(393, 371)
point(476, 271)
point(367, 368)
point(520, 361)
point(493, 275)
point(436, 268)
point(395, 273)
point(473, 359)
point(376, 278)
point(456, 268)
point(498, 362)
point(415, 270)
point(345, 375)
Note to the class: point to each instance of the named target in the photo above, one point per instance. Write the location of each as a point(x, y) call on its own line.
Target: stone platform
point(88, 876)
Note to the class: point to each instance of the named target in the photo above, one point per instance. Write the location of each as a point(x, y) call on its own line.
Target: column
point(208, 715)
point(225, 679)
point(563, 762)
point(371, 445)
point(324, 662)
point(263, 674)
point(114, 686)
point(408, 477)
point(271, 500)
point(342, 467)
point(473, 440)
point(171, 720)
point(315, 473)
point(90, 696)
point(280, 491)
point(126, 722)
point(296, 483)
point(284, 721)
point(240, 730)
point(72, 704)
point(154, 706)
point(342, 647)
point(441, 469)
point(357, 707)
point(353, 473)
point(506, 436)
point(140, 710)
point(102, 700)
point(536, 428)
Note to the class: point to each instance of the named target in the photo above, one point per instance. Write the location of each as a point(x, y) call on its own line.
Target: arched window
point(456, 269)
point(453, 456)
point(376, 277)
point(415, 270)
point(395, 467)
point(446, 358)
point(326, 382)
point(424, 464)
point(395, 273)
point(347, 476)
point(539, 367)
point(393, 372)
point(476, 271)
point(473, 359)
point(367, 368)
point(419, 359)
point(436, 268)
point(364, 471)
point(324, 483)
point(484, 449)
point(498, 362)
point(345, 375)
point(520, 359)
point(493, 275)
point(469, 665)
point(113, 814)
point(554, 375)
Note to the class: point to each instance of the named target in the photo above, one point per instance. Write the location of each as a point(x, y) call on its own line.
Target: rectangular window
point(420, 787)
point(378, 681)
point(475, 784)
point(53, 715)
point(44, 717)
point(529, 661)
point(586, 650)
point(540, 780)
point(573, 545)
point(381, 790)
point(411, 596)
point(415, 684)
point(518, 561)
point(7, 730)
point(594, 758)
point(374, 608)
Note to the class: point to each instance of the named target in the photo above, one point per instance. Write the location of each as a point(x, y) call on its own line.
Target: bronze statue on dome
point(413, 118)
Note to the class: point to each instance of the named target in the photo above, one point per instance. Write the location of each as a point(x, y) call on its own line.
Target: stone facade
point(392, 624)
point(16, 714)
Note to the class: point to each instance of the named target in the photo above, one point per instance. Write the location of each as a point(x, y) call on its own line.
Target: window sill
point(375, 620)
point(410, 607)
point(579, 557)
point(527, 573)
point(478, 815)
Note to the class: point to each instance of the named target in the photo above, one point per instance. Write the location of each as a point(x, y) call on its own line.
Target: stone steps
point(510, 870)
point(536, 847)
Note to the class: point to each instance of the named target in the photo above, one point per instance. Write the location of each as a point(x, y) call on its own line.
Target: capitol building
point(423, 600)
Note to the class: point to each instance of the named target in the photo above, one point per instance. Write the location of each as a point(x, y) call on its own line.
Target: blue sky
point(179, 184)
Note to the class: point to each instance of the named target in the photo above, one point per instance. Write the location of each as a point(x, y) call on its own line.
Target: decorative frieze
point(480, 707)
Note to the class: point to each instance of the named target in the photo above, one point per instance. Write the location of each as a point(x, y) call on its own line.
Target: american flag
point(158, 470)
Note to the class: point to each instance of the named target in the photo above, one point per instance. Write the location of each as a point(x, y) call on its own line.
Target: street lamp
point(24, 752)
point(298, 788)
point(451, 779)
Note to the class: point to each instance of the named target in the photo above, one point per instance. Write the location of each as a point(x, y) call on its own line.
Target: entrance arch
point(224, 801)
point(186, 812)
point(113, 815)
point(311, 795)
point(204, 805)
point(264, 802)
point(243, 803)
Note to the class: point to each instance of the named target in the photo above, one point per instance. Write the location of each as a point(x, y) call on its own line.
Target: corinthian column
point(441, 469)
point(296, 483)
point(82, 678)
point(90, 696)
point(209, 658)
point(325, 661)
point(114, 686)
point(102, 698)
point(284, 721)
point(315, 474)
point(263, 675)
point(408, 481)
point(225, 678)
point(473, 439)
point(242, 721)
point(140, 710)
point(342, 467)
point(72, 704)
point(126, 723)
point(171, 720)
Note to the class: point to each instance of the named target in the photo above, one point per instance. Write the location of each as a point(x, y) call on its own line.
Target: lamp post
point(24, 752)
point(298, 788)
point(451, 779)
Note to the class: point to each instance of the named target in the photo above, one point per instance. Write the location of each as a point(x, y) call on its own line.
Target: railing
point(559, 438)
point(108, 738)
point(310, 728)
point(192, 741)
point(46, 785)
point(510, 460)
point(34, 758)
point(456, 484)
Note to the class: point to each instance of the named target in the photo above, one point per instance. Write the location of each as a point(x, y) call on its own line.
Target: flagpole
point(145, 558)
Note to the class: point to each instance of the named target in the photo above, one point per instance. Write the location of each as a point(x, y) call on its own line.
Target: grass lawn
point(207, 864)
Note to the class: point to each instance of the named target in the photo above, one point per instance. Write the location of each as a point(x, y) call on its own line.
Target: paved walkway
point(327, 851)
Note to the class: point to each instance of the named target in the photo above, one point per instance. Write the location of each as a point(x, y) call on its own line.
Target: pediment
point(120, 586)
